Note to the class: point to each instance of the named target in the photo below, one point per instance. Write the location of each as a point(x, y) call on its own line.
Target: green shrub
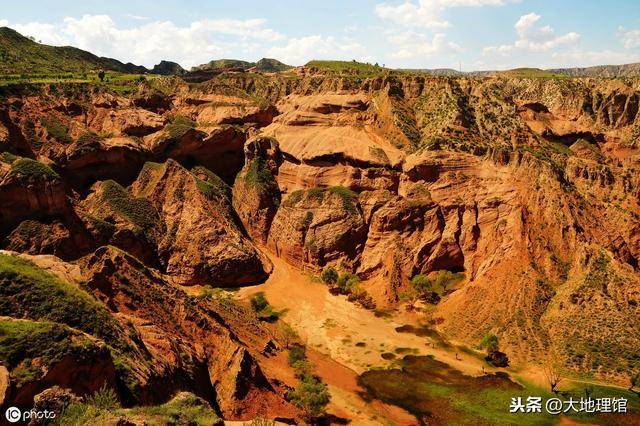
point(349, 198)
point(57, 129)
point(347, 281)
point(421, 283)
point(489, 342)
point(104, 399)
point(26, 168)
point(297, 353)
point(312, 396)
point(8, 157)
point(329, 275)
point(445, 278)
point(259, 302)
point(261, 307)
point(258, 175)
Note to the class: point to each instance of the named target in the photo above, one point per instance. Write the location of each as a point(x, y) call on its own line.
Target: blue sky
point(473, 34)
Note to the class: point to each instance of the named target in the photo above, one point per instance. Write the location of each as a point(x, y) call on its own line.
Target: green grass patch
point(8, 157)
point(23, 341)
point(347, 67)
point(179, 125)
point(138, 211)
point(28, 168)
point(56, 129)
point(30, 292)
point(431, 389)
point(102, 408)
point(210, 184)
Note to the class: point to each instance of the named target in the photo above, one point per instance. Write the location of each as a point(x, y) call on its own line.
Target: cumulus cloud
point(428, 13)
point(412, 45)
point(151, 42)
point(300, 50)
point(533, 38)
point(630, 38)
point(582, 58)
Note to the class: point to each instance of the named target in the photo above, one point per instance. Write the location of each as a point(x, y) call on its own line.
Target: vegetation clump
point(494, 356)
point(22, 342)
point(311, 395)
point(263, 310)
point(179, 125)
point(138, 211)
point(8, 157)
point(30, 292)
point(57, 129)
point(103, 407)
point(210, 184)
point(27, 168)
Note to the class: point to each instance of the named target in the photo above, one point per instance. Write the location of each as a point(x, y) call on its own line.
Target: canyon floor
point(348, 340)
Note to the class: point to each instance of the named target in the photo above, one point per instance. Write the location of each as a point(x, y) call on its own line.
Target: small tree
point(635, 381)
point(297, 353)
point(490, 343)
point(553, 377)
point(311, 396)
point(329, 275)
point(101, 75)
point(445, 278)
point(347, 281)
point(288, 335)
point(259, 302)
point(421, 284)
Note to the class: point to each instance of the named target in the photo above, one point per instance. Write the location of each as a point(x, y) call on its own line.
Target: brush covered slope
point(528, 186)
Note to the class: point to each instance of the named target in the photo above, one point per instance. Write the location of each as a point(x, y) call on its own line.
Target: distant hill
point(626, 70)
point(264, 64)
point(168, 68)
point(21, 55)
point(445, 72)
point(271, 65)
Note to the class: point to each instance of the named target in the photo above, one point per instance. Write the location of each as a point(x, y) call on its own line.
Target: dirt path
point(350, 335)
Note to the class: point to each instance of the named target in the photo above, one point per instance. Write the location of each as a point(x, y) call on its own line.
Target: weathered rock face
point(256, 195)
point(29, 189)
point(330, 140)
point(202, 243)
point(319, 227)
point(202, 345)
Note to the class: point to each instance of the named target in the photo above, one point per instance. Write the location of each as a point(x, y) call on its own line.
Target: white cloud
point(413, 45)
point(630, 38)
point(3, 22)
point(581, 58)
point(533, 38)
point(428, 13)
point(151, 42)
point(301, 50)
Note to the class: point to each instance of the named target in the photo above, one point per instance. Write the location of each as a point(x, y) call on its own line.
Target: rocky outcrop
point(203, 345)
point(202, 243)
point(256, 195)
point(317, 227)
point(29, 190)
